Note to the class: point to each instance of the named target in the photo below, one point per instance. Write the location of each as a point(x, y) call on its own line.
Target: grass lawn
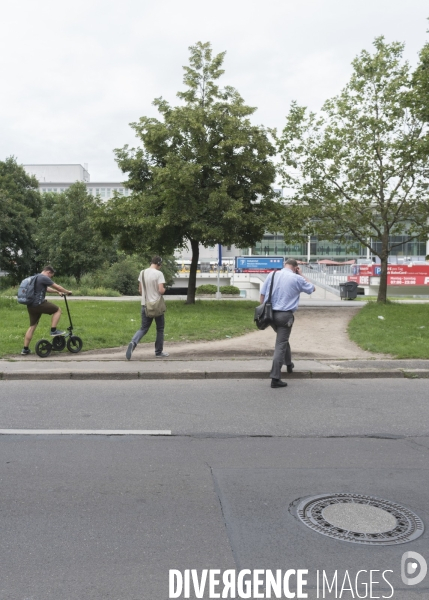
point(404, 331)
point(104, 324)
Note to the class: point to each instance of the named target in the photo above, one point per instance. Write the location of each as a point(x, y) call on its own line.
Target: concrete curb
point(180, 375)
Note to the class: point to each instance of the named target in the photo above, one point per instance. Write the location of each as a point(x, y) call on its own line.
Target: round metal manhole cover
point(360, 519)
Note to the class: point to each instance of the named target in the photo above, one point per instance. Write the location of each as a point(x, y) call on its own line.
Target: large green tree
point(202, 174)
point(358, 169)
point(66, 234)
point(20, 205)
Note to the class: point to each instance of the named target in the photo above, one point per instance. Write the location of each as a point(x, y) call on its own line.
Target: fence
point(327, 277)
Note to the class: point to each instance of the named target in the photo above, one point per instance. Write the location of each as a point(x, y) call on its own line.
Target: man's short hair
point(156, 260)
point(49, 268)
point(292, 262)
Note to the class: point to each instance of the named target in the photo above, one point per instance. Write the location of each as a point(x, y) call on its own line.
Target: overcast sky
point(75, 74)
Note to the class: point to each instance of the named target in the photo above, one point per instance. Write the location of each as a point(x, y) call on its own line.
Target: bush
point(229, 289)
point(208, 288)
point(6, 281)
point(123, 275)
point(96, 291)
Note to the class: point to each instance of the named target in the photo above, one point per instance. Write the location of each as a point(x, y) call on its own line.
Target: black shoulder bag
point(264, 312)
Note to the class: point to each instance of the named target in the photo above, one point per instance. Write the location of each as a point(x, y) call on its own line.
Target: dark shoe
point(57, 332)
point(130, 350)
point(26, 351)
point(290, 368)
point(278, 383)
point(162, 355)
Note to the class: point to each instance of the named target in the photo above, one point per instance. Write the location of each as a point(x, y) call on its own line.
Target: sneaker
point(162, 355)
point(130, 350)
point(57, 332)
point(26, 351)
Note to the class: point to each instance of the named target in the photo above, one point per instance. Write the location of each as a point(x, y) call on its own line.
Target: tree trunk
point(384, 255)
point(193, 273)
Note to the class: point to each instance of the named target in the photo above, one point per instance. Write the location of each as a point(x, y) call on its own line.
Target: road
point(106, 517)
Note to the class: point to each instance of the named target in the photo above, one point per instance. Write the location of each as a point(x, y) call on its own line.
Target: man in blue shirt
point(288, 284)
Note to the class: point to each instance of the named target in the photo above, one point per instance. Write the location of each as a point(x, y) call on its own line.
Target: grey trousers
point(146, 323)
point(283, 321)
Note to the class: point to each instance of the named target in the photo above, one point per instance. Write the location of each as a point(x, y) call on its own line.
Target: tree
point(67, 236)
point(358, 169)
point(420, 93)
point(20, 205)
point(202, 175)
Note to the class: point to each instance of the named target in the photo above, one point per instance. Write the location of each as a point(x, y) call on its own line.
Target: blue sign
point(258, 264)
point(377, 270)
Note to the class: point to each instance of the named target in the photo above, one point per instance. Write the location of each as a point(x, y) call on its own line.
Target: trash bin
point(348, 290)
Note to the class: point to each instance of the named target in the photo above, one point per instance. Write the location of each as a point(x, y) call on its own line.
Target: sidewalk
point(208, 369)
point(321, 348)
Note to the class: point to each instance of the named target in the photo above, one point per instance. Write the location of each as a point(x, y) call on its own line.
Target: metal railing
point(327, 277)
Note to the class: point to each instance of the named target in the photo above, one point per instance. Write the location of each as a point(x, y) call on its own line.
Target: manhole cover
point(360, 519)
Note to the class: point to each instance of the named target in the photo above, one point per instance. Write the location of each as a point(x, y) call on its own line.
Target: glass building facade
point(274, 244)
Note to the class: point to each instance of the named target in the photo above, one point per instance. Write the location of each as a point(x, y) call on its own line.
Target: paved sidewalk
point(208, 369)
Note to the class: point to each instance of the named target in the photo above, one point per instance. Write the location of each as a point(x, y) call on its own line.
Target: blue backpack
point(26, 292)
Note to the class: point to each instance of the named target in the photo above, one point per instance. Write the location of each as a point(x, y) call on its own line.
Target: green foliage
point(229, 289)
point(20, 205)
point(6, 282)
point(359, 168)
point(123, 275)
point(404, 331)
point(208, 288)
point(66, 235)
point(419, 99)
point(203, 172)
point(111, 324)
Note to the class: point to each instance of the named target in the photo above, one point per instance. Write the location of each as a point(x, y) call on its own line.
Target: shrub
point(229, 289)
point(123, 275)
point(98, 291)
point(208, 288)
point(6, 281)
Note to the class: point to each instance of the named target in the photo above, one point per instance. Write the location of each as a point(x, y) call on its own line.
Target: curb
point(103, 375)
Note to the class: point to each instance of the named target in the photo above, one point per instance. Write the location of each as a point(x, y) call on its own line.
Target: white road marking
point(84, 432)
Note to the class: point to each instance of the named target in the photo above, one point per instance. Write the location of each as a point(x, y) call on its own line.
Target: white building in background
point(58, 178)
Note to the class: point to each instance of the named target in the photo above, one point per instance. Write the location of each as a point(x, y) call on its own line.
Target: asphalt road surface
point(105, 517)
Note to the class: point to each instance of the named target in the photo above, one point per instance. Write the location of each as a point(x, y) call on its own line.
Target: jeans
point(283, 321)
point(146, 323)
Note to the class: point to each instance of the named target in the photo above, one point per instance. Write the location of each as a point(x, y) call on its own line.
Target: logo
point(377, 270)
point(413, 568)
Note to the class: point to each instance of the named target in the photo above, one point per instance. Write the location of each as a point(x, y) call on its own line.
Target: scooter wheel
point(74, 344)
point(59, 343)
point(43, 348)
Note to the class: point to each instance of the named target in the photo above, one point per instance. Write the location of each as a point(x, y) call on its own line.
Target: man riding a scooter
point(41, 306)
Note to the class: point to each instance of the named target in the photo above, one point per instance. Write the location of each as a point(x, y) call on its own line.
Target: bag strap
point(144, 287)
point(271, 288)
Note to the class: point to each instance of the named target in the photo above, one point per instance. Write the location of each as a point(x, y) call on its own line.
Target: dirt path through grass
point(318, 333)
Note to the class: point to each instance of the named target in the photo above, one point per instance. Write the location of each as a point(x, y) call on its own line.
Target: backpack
point(26, 292)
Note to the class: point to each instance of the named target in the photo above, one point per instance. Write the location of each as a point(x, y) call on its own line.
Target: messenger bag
point(264, 312)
